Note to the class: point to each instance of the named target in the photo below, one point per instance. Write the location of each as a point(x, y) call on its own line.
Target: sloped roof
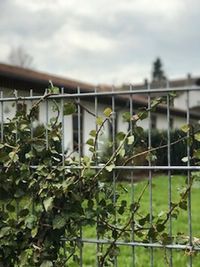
point(29, 75)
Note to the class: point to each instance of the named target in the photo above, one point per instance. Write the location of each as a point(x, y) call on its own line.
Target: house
point(34, 83)
point(180, 99)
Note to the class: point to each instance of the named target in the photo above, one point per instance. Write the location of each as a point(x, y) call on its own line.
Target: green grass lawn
point(160, 203)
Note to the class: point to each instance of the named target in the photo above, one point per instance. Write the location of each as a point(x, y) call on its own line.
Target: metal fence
point(112, 100)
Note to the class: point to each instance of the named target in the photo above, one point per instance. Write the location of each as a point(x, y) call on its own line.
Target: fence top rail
point(132, 91)
point(130, 167)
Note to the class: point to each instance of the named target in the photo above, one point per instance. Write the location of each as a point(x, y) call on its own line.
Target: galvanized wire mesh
point(96, 100)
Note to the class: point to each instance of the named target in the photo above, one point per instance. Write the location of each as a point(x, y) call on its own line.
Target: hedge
point(178, 150)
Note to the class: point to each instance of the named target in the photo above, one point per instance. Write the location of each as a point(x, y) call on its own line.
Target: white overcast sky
point(104, 41)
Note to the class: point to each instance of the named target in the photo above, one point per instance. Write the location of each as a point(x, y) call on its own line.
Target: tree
point(19, 57)
point(158, 73)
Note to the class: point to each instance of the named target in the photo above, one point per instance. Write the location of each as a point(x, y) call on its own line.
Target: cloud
point(103, 41)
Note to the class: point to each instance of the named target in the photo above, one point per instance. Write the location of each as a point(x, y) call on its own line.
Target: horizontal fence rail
point(98, 94)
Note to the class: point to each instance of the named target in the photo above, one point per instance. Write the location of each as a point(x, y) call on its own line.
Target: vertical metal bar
point(96, 163)
point(150, 172)
point(63, 128)
point(79, 156)
point(113, 146)
point(63, 158)
point(16, 136)
point(189, 180)
point(79, 126)
point(2, 128)
point(47, 121)
point(2, 118)
point(132, 181)
point(31, 94)
point(169, 171)
point(113, 150)
point(16, 96)
point(31, 125)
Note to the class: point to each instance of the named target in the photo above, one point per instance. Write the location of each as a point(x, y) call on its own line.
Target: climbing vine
point(46, 196)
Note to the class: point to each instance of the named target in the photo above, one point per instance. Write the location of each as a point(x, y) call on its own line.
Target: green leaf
point(93, 133)
point(55, 138)
point(29, 155)
point(2, 146)
point(184, 159)
point(90, 142)
point(58, 222)
point(4, 157)
point(99, 121)
point(126, 116)
point(155, 102)
point(91, 149)
point(48, 203)
point(197, 154)
point(10, 207)
point(23, 212)
point(122, 152)
point(110, 167)
point(46, 263)
point(161, 213)
point(120, 136)
point(39, 147)
point(139, 130)
point(23, 127)
point(166, 239)
point(131, 139)
point(114, 234)
point(160, 227)
point(54, 90)
point(4, 231)
point(24, 257)
point(19, 193)
point(197, 137)
point(34, 232)
point(152, 233)
point(151, 157)
point(142, 221)
point(185, 128)
point(143, 115)
point(183, 205)
point(13, 156)
point(124, 203)
point(30, 221)
point(173, 94)
point(121, 210)
point(69, 108)
point(107, 112)
point(175, 214)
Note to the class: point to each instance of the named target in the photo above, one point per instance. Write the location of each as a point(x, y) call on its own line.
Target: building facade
point(16, 82)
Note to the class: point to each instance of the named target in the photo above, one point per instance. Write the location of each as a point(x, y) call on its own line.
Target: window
point(153, 121)
point(77, 130)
